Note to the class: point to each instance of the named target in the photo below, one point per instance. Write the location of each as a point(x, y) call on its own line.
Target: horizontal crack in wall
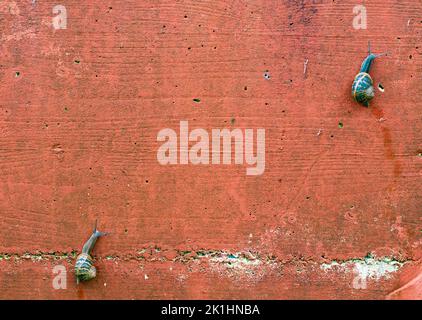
point(157, 254)
point(38, 256)
point(367, 267)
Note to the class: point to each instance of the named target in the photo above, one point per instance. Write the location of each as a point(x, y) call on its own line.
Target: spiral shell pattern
point(84, 268)
point(362, 88)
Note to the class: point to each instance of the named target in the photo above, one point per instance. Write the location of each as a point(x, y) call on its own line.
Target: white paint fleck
point(250, 238)
point(305, 67)
point(146, 277)
point(366, 268)
point(181, 277)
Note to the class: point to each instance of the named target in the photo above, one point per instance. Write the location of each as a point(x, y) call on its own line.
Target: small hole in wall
point(380, 87)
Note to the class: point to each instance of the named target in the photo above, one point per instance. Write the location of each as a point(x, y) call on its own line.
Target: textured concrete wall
point(337, 212)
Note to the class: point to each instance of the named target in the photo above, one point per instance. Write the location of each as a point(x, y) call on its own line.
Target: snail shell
point(363, 88)
point(84, 267)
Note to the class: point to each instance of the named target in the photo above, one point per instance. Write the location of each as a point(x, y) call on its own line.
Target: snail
point(363, 86)
point(84, 268)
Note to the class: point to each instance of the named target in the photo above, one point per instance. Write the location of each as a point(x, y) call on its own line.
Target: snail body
point(84, 266)
point(363, 85)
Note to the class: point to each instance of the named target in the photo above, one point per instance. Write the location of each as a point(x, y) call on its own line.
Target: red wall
point(78, 142)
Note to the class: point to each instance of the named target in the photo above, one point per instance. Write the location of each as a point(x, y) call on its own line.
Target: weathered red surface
point(78, 142)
